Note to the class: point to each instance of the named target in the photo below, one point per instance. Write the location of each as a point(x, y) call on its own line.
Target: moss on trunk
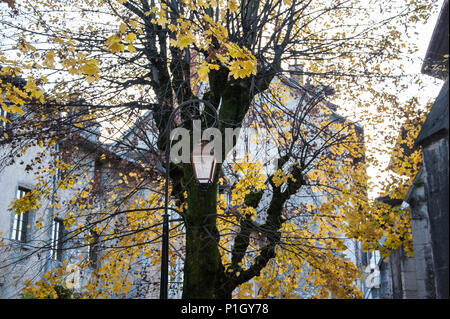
point(202, 261)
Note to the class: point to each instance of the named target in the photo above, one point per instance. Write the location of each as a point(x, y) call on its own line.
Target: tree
point(123, 62)
point(389, 225)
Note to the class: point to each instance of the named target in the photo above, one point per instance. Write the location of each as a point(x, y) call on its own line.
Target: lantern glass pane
point(202, 168)
point(203, 160)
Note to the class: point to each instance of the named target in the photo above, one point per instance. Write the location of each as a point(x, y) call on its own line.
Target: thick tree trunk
point(204, 275)
point(202, 262)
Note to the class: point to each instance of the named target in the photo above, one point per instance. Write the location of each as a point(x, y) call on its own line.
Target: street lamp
point(203, 161)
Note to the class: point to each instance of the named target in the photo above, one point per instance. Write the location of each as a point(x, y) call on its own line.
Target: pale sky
point(433, 85)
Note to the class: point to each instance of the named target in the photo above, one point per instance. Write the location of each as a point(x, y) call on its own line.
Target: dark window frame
point(57, 239)
point(3, 125)
point(94, 249)
point(21, 222)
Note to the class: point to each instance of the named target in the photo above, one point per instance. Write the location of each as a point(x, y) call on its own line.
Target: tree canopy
point(118, 69)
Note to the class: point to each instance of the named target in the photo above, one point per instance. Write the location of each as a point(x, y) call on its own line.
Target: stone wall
point(423, 254)
point(435, 161)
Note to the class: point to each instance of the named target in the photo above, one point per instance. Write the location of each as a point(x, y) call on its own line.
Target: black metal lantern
point(203, 161)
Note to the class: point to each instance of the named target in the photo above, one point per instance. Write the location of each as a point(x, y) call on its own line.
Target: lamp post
point(203, 161)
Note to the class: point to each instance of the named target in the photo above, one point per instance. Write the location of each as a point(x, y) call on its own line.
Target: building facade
point(42, 239)
point(425, 274)
point(428, 196)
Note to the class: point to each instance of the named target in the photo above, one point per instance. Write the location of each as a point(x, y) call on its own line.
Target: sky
point(433, 85)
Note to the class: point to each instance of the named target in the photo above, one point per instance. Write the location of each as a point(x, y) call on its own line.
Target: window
point(97, 186)
point(21, 223)
point(176, 279)
point(93, 249)
point(57, 239)
point(3, 114)
point(246, 144)
point(225, 190)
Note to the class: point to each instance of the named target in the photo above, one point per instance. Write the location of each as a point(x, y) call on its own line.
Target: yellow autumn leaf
point(130, 37)
point(232, 5)
point(49, 59)
point(203, 72)
point(4, 119)
point(184, 41)
point(90, 67)
point(131, 48)
point(123, 28)
point(113, 44)
point(15, 109)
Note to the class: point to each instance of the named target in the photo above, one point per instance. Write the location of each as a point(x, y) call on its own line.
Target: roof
point(437, 119)
point(328, 90)
point(390, 201)
point(436, 59)
point(418, 180)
